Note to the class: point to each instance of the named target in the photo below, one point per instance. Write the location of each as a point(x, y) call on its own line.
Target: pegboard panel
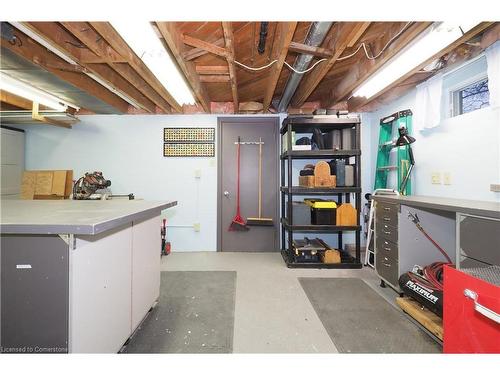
point(188, 135)
point(189, 149)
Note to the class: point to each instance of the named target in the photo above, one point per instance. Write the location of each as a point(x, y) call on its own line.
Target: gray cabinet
point(386, 242)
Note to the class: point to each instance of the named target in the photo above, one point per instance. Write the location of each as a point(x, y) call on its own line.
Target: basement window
point(471, 97)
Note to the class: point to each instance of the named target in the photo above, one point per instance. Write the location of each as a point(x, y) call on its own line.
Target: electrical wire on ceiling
point(362, 45)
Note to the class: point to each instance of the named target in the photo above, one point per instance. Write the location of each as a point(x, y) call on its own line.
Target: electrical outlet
point(447, 178)
point(196, 227)
point(197, 173)
point(436, 178)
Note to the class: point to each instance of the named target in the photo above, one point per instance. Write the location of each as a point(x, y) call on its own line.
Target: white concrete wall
point(466, 146)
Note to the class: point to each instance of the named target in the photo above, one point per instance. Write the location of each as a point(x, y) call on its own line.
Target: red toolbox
point(471, 311)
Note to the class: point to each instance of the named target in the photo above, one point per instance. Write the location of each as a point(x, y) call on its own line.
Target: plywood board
point(28, 184)
point(346, 215)
point(59, 183)
point(43, 183)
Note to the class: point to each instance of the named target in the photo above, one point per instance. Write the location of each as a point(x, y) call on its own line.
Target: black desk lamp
point(405, 140)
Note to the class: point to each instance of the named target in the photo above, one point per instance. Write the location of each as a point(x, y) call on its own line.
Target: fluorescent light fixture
point(433, 40)
point(143, 40)
point(24, 90)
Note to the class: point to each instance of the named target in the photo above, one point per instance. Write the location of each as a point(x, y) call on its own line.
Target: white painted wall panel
point(12, 162)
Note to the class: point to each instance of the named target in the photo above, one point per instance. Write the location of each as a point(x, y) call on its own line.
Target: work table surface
point(74, 216)
point(472, 207)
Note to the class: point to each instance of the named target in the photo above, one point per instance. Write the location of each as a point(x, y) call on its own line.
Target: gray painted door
point(258, 238)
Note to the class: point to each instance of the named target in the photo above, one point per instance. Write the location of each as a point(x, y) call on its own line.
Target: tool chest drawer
point(387, 213)
point(387, 268)
point(385, 247)
point(387, 231)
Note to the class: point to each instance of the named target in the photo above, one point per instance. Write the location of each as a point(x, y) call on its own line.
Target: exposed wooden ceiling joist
point(281, 44)
point(14, 100)
point(38, 54)
point(172, 38)
point(212, 69)
point(63, 41)
point(119, 45)
point(229, 39)
point(361, 71)
point(357, 104)
point(206, 46)
point(197, 52)
point(311, 50)
point(215, 78)
point(349, 34)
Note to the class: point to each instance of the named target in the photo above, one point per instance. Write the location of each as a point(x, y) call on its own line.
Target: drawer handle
point(483, 310)
point(387, 219)
point(387, 208)
point(387, 248)
point(386, 264)
point(386, 232)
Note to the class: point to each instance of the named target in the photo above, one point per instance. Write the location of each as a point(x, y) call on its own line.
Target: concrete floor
point(272, 312)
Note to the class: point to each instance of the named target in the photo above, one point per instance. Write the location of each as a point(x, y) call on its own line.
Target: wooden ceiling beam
point(281, 45)
point(229, 40)
point(206, 46)
point(310, 50)
point(212, 69)
point(361, 71)
point(349, 34)
point(98, 46)
point(60, 39)
point(17, 101)
point(34, 52)
point(478, 29)
point(121, 47)
point(173, 40)
point(193, 53)
point(215, 78)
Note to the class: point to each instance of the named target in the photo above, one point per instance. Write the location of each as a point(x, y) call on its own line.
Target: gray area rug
point(358, 320)
point(195, 314)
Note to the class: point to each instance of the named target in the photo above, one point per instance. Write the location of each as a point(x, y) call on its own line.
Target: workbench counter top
point(74, 216)
point(465, 206)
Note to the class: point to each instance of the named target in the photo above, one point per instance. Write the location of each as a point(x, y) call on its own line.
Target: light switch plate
point(197, 173)
point(447, 178)
point(196, 227)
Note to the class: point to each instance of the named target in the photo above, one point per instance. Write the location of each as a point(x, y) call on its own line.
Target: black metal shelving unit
point(343, 194)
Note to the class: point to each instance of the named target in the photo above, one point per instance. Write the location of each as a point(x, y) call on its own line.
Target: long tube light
point(24, 90)
point(434, 39)
point(143, 40)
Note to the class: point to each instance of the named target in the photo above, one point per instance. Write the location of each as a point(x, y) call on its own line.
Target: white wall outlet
point(196, 227)
point(447, 178)
point(197, 173)
point(436, 178)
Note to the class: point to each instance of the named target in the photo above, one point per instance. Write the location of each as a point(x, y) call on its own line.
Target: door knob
point(226, 193)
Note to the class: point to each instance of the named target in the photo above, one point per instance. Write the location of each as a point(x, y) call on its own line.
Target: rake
point(238, 224)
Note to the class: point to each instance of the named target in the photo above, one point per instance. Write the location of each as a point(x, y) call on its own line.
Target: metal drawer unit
point(386, 243)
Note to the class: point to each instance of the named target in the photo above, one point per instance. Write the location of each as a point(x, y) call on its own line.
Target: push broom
point(260, 220)
point(238, 224)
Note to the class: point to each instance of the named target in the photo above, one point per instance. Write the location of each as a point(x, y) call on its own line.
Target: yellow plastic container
point(320, 203)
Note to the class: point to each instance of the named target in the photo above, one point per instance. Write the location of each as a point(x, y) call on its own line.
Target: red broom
point(238, 224)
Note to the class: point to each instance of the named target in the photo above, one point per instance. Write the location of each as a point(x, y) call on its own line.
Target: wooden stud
point(35, 115)
point(97, 45)
point(464, 38)
point(361, 71)
point(306, 49)
point(229, 39)
point(197, 52)
point(32, 51)
point(209, 47)
point(286, 31)
point(14, 100)
point(119, 45)
point(172, 38)
point(349, 35)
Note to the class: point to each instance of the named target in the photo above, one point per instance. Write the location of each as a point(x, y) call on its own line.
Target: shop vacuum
point(425, 284)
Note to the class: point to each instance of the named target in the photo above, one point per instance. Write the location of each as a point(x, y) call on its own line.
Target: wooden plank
point(119, 45)
point(97, 45)
point(464, 38)
point(209, 47)
point(349, 35)
point(34, 52)
point(215, 78)
point(361, 71)
point(212, 69)
point(229, 39)
point(172, 38)
point(43, 183)
point(59, 183)
point(15, 100)
point(424, 316)
point(28, 184)
point(197, 52)
point(311, 50)
point(281, 44)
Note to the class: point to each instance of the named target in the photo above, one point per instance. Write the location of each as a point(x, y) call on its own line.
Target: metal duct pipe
point(315, 37)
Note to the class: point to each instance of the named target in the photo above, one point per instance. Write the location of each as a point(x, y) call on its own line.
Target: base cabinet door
point(467, 326)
